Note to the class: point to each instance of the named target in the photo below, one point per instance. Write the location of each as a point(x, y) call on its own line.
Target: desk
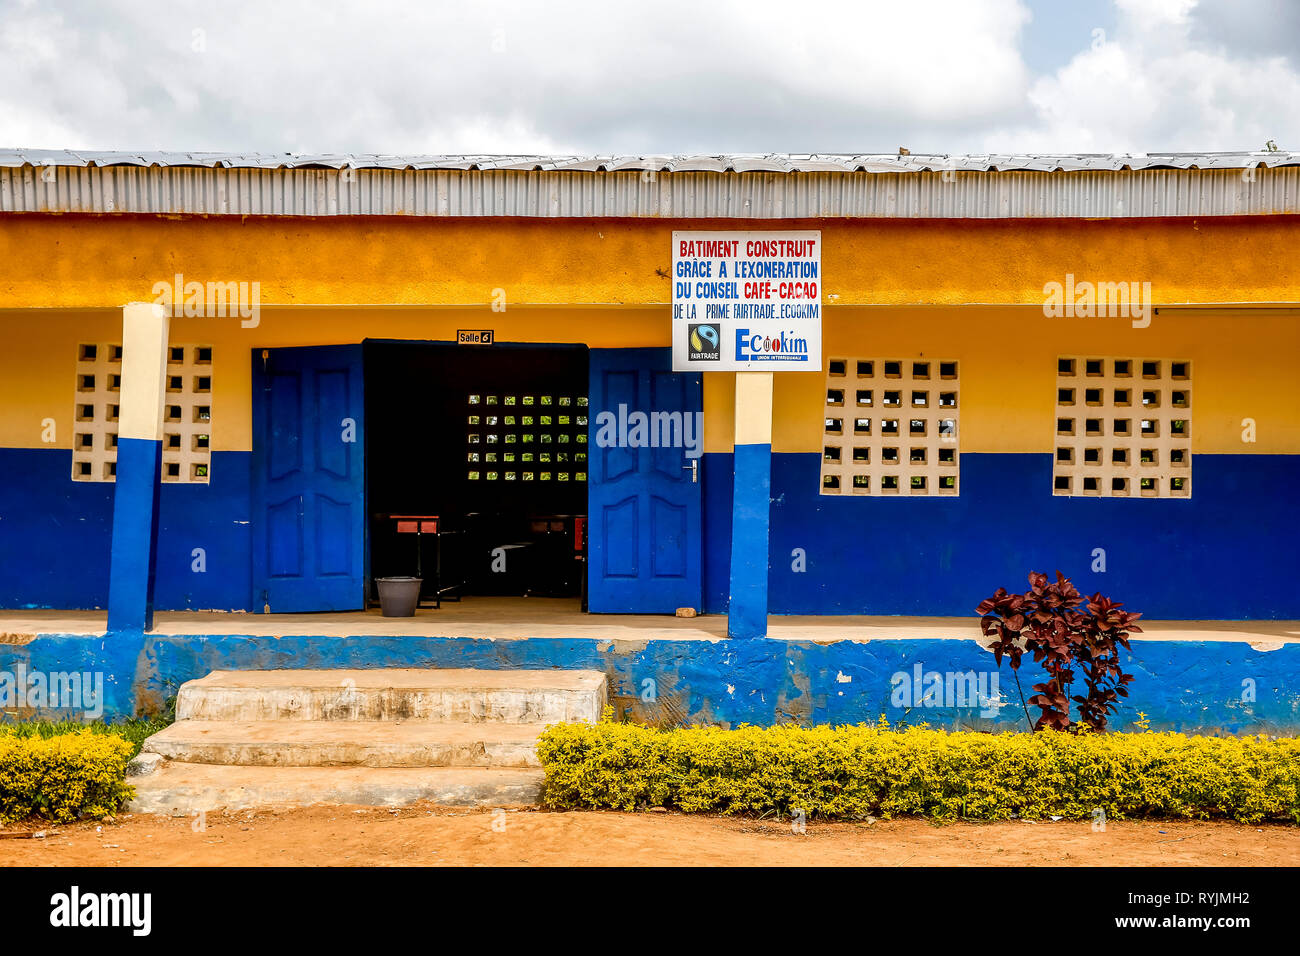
point(559, 543)
point(420, 525)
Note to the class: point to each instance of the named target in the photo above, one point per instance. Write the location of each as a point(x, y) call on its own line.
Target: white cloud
point(1153, 87)
point(583, 75)
point(587, 76)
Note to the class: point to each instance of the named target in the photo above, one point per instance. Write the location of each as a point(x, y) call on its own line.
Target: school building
point(235, 390)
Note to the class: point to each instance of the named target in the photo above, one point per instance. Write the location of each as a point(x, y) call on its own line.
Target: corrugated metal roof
point(987, 186)
point(723, 163)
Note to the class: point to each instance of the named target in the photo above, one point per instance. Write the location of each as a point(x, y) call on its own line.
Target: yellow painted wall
point(605, 283)
point(1243, 366)
point(80, 261)
point(38, 351)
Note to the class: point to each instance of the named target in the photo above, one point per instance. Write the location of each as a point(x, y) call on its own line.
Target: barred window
point(1123, 427)
point(187, 413)
point(890, 427)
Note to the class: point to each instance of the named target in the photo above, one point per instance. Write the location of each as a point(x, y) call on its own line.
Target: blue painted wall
point(718, 477)
point(55, 536)
point(215, 517)
point(55, 533)
point(1190, 687)
point(1227, 553)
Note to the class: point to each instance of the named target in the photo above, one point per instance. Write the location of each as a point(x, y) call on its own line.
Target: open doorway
point(476, 467)
point(481, 451)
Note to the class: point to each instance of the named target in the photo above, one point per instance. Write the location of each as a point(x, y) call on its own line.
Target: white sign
point(747, 301)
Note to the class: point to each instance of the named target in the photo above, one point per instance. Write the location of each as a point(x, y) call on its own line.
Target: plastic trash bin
point(399, 596)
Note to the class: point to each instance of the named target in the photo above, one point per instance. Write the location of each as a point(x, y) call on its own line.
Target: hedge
point(63, 777)
point(852, 772)
point(135, 730)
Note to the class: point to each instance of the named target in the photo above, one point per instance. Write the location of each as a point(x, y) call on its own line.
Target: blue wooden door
point(643, 502)
point(308, 494)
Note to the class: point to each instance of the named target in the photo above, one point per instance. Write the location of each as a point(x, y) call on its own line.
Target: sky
point(675, 76)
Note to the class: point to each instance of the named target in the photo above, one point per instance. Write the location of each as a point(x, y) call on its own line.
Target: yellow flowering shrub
point(854, 771)
point(64, 776)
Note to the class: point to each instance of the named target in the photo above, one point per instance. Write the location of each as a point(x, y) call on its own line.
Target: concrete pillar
point(139, 460)
point(747, 610)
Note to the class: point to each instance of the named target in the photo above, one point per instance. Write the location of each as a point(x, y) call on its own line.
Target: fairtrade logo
point(703, 343)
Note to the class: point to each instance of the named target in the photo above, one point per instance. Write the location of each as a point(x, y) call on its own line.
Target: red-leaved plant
point(1046, 621)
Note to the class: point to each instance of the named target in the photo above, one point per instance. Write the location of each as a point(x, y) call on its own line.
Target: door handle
point(694, 466)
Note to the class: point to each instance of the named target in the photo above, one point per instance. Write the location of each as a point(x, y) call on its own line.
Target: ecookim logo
point(703, 343)
point(782, 347)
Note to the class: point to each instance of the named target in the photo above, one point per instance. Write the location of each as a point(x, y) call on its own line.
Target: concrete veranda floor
point(514, 618)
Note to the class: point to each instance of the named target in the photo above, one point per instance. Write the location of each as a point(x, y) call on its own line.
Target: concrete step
point(370, 743)
point(189, 788)
point(442, 695)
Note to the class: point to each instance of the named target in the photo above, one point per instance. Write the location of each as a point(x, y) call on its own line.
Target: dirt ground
point(436, 836)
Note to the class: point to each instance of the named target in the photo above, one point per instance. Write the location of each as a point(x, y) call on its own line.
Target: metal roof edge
point(720, 187)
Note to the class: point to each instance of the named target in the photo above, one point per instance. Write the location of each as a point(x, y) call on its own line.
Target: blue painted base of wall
point(1215, 687)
